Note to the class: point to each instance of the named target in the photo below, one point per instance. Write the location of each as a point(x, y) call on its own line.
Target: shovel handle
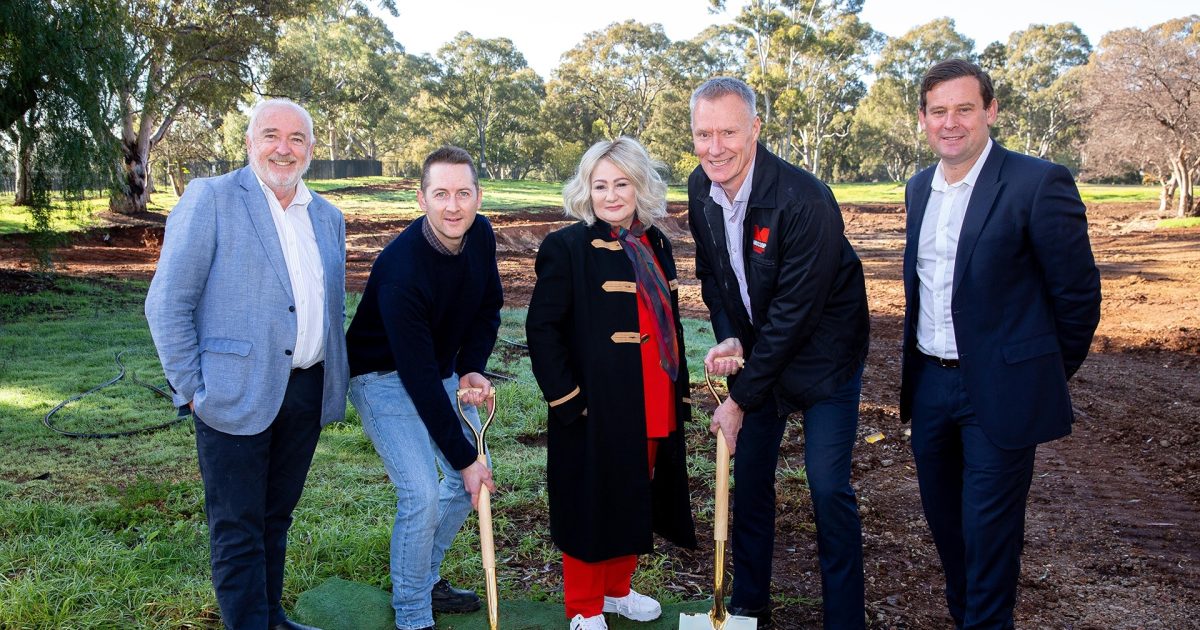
point(487, 552)
point(721, 508)
point(487, 543)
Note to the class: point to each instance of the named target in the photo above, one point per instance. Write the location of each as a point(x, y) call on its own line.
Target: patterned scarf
point(653, 288)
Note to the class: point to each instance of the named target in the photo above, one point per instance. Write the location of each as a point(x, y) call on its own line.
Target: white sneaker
point(633, 606)
point(579, 622)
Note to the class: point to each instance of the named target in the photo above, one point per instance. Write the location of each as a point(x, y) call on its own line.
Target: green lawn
point(397, 197)
point(111, 533)
point(1184, 222)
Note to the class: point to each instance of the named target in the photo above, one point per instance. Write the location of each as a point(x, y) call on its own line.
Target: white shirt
point(735, 217)
point(307, 276)
point(936, 250)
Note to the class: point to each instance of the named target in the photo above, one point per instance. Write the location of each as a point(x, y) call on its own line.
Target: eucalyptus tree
point(609, 84)
point(1037, 77)
point(58, 62)
point(202, 55)
point(343, 63)
point(485, 88)
point(886, 119)
point(1142, 93)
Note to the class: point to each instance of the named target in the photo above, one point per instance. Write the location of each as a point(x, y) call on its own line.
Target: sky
point(544, 29)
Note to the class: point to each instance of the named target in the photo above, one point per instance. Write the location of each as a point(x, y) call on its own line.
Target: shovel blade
point(701, 621)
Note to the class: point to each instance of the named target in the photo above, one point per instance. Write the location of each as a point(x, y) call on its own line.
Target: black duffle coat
point(584, 344)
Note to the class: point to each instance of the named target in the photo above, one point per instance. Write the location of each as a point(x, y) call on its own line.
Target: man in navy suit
point(1002, 300)
point(246, 311)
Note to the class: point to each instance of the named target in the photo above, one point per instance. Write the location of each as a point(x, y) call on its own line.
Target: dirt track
point(1113, 532)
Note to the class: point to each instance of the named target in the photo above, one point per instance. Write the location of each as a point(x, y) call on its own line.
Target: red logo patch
point(761, 234)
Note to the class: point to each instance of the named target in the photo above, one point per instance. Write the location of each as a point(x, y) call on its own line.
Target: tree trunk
point(175, 170)
point(24, 183)
point(483, 168)
point(1186, 195)
point(1166, 193)
point(137, 180)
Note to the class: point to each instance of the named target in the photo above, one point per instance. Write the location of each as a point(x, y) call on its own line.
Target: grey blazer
point(220, 305)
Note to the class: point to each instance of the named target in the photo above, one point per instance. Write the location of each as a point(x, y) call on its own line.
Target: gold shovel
point(487, 546)
point(717, 618)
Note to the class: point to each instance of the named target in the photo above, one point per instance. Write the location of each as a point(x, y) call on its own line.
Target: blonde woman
point(606, 345)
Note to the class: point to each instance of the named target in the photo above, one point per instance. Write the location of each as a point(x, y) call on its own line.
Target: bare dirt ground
point(1113, 529)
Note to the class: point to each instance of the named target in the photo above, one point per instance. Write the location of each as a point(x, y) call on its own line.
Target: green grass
point(394, 197)
point(111, 533)
point(880, 192)
point(893, 192)
point(1181, 222)
point(1099, 193)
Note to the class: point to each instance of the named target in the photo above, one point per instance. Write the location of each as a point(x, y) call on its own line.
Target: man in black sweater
point(424, 329)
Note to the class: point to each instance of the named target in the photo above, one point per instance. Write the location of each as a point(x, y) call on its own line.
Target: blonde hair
point(631, 158)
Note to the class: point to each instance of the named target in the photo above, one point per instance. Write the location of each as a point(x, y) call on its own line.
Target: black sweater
point(427, 316)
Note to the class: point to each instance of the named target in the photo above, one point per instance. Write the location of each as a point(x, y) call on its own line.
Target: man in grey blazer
point(246, 309)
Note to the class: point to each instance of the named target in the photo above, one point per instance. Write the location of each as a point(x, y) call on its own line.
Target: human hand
point(724, 358)
point(728, 418)
point(474, 477)
point(474, 389)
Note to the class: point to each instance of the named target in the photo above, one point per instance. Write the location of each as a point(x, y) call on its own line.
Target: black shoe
point(288, 624)
point(447, 599)
point(763, 615)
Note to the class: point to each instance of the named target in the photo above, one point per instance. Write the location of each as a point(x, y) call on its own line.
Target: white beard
point(273, 179)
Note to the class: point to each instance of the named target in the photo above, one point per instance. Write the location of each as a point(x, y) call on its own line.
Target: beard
point(262, 168)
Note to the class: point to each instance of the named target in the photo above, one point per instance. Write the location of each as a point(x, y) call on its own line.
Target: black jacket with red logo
point(808, 330)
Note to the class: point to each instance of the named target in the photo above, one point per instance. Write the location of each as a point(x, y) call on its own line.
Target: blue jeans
point(830, 427)
point(429, 512)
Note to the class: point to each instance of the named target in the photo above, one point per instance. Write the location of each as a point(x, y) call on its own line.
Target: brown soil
point(1113, 529)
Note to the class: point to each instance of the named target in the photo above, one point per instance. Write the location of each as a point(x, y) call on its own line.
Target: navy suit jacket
point(220, 307)
point(1026, 296)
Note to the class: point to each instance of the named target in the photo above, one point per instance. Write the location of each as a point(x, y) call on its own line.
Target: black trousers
point(251, 485)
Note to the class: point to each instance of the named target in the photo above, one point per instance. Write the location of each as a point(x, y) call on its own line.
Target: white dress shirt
point(307, 276)
point(936, 250)
point(735, 217)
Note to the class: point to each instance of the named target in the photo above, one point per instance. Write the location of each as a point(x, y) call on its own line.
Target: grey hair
point(631, 158)
point(279, 102)
point(717, 87)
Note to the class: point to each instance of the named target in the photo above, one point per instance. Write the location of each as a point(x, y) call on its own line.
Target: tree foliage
point(1142, 94)
point(484, 90)
point(886, 120)
point(1038, 83)
point(352, 75)
point(187, 54)
point(609, 83)
point(58, 62)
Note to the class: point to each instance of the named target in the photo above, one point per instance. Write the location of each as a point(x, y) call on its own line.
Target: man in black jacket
point(786, 292)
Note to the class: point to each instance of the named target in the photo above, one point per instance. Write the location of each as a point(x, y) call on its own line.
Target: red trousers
point(585, 584)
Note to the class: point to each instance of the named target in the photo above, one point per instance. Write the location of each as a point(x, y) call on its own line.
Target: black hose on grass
point(115, 379)
point(514, 343)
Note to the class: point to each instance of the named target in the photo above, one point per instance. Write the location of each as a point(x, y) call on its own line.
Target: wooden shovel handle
point(721, 509)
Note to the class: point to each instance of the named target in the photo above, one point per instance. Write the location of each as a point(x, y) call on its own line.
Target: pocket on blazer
point(1031, 348)
point(226, 346)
